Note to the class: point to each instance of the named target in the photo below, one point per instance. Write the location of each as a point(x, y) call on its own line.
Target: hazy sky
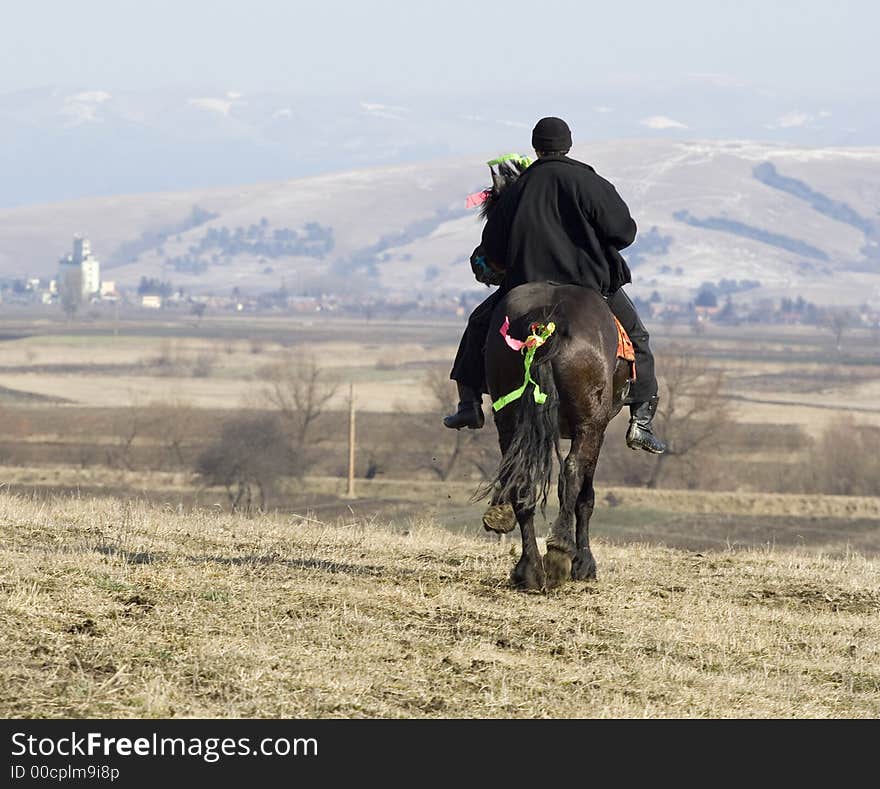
point(829, 46)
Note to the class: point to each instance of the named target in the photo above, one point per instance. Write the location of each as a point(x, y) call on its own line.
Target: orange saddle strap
point(625, 348)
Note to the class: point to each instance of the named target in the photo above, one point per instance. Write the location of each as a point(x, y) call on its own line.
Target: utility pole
point(349, 493)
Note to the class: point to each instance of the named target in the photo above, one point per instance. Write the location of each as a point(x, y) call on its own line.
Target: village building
point(108, 291)
point(80, 269)
point(151, 301)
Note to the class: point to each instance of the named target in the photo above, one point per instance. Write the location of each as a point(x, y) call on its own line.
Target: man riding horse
point(559, 222)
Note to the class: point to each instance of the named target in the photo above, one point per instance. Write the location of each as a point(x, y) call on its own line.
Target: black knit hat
point(551, 134)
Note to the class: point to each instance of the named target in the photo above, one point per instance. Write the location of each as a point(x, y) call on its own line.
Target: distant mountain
point(65, 143)
point(754, 219)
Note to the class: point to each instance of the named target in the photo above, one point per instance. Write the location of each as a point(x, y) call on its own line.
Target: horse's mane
point(507, 172)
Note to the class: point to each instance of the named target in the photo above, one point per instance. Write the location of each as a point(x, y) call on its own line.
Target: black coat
point(560, 222)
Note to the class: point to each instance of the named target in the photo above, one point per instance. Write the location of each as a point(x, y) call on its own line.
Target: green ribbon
point(524, 161)
point(534, 341)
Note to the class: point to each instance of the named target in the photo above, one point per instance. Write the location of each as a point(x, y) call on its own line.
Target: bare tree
point(839, 320)
point(172, 425)
point(168, 360)
point(128, 424)
point(298, 391)
point(843, 461)
point(693, 412)
point(247, 458)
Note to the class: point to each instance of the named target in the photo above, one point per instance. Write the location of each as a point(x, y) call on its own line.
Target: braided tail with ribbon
point(531, 454)
point(540, 333)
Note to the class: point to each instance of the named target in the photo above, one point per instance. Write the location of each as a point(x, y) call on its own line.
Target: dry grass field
point(776, 375)
point(125, 408)
point(118, 609)
point(209, 372)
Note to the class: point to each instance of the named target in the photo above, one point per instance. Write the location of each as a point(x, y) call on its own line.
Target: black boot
point(639, 435)
point(470, 410)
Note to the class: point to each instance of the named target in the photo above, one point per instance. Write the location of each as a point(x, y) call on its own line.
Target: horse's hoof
point(527, 578)
point(583, 568)
point(557, 567)
point(499, 518)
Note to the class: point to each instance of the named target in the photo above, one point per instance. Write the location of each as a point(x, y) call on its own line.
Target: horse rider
point(559, 222)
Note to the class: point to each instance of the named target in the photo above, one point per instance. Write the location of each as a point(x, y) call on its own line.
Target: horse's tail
point(525, 473)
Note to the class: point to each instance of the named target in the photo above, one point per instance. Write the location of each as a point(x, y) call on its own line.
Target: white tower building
point(81, 266)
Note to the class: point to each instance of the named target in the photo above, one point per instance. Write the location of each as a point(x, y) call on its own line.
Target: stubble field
point(115, 609)
point(126, 588)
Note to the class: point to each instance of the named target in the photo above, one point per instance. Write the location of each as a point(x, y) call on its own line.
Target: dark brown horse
point(585, 384)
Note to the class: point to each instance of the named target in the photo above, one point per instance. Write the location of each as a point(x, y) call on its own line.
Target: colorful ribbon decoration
point(522, 161)
point(477, 198)
point(540, 334)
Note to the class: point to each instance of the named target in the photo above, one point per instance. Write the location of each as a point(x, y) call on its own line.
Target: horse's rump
point(582, 349)
point(575, 369)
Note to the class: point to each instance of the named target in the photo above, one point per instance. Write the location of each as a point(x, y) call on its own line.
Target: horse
point(585, 383)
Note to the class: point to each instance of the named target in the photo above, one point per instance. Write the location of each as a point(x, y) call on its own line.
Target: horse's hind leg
point(528, 573)
point(561, 548)
point(583, 567)
point(502, 517)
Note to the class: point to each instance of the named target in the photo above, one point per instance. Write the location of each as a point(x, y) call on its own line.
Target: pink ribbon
point(517, 345)
point(477, 198)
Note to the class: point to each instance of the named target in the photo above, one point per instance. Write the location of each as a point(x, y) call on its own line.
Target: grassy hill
point(799, 221)
point(120, 609)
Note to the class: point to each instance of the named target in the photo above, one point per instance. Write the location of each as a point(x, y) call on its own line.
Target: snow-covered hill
point(799, 221)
